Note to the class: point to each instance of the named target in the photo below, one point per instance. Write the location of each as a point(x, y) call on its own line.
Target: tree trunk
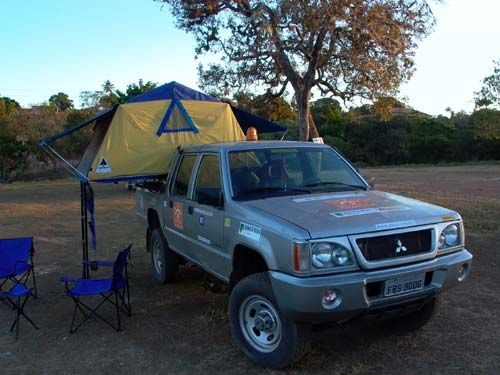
point(306, 123)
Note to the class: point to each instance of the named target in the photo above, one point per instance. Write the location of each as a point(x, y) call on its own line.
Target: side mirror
point(371, 182)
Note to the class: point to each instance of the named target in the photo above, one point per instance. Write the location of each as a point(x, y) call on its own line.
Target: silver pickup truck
point(301, 239)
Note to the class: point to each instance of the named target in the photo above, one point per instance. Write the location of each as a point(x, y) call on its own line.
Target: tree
point(8, 105)
point(90, 99)
point(107, 87)
point(328, 116)
point(343, 48)
point(108, 97)
point(490, 92)
point(37, 123)
point(61, 101)
point(134, 89)
point(12, 150)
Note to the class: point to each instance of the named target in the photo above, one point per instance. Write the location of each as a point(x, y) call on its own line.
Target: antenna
point(284, 135)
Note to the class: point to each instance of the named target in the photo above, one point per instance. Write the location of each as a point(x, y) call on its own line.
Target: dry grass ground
point(183, 328)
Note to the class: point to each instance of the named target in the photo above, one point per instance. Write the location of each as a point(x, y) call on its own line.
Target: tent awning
point(100, 115)
point(246, 120)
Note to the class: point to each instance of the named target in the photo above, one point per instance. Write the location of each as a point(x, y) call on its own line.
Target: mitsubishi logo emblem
point(400, 247)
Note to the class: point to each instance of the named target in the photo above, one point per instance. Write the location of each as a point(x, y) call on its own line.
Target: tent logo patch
point(103, 166)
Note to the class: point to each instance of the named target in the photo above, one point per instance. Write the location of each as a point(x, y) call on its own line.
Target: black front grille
point(395, 245)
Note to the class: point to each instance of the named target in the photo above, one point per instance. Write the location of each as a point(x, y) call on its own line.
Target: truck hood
point(344, 213)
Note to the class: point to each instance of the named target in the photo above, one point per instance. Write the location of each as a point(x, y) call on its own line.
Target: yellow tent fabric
point(131, 146)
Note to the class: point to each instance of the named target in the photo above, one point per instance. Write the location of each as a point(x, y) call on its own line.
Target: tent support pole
point(85, 247)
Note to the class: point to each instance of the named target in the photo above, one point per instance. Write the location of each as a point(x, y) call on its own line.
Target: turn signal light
point(301, 257)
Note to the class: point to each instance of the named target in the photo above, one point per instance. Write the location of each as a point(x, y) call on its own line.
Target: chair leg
point(34, 279)
point(117, 311)
point(76, 300)
point(93, 312)
point(125, 305)
point(18, 313)
point(129, 305)
point(16, 319)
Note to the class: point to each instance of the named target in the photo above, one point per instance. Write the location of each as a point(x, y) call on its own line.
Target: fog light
point(329, 297)
point(462, 272)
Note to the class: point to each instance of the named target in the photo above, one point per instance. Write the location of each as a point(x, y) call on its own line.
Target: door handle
point(190, 210)
point(170, 204)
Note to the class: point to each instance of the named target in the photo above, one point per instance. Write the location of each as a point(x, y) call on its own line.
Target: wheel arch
point(246, 261)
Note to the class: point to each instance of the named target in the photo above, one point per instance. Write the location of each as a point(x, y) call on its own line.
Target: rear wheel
point(263, 333)
point(164, 261)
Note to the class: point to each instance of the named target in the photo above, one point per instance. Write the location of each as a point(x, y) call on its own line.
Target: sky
point(49, 46)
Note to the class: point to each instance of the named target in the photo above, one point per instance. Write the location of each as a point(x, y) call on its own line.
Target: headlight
point(340, 256)
point(450, 236)
point(322, 255)
point(326, 255)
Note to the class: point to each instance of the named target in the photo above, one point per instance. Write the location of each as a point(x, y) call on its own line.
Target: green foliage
point(108, 96)
point(490, 92)
point(73, 145)
point(13, 150)
point(271, 107)
point(61, 101)
point(8, 105)
point(485, 124)
point(134, 89)
point(21, 129)
point(408, 137)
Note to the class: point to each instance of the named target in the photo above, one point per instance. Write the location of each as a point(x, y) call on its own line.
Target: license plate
point(404, 285)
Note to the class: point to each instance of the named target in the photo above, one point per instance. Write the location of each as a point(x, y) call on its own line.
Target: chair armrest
point(66, 280)
point(99, 263)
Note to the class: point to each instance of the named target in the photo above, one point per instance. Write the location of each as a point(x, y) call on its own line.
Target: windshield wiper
point(326, 183)
point(275, 189)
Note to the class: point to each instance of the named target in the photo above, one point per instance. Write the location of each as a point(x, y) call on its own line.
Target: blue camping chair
point(17, 296)
point(16, 261)
point(114, 290)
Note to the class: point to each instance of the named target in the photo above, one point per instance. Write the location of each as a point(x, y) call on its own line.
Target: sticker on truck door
point(250, 231)
point(178, 215)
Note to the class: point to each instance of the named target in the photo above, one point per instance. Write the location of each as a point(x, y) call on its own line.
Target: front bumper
point(362, 291)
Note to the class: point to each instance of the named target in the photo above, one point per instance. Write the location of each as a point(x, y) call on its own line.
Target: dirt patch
point(183, 328)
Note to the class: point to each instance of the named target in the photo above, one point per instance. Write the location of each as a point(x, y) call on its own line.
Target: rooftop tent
point(137, 139)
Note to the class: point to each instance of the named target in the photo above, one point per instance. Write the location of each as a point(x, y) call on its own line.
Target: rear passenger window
point(181, 183)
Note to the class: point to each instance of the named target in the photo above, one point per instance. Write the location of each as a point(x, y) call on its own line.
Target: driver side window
point(208, 189)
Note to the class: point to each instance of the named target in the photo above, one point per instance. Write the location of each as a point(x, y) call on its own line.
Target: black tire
point(294, 338)
point(164, 261)
point(415, 320)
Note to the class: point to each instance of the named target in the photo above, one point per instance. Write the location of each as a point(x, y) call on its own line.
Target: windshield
point(287, 171)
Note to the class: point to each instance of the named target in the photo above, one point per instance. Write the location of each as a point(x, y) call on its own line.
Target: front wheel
point(164, 261)
point(263, 333)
